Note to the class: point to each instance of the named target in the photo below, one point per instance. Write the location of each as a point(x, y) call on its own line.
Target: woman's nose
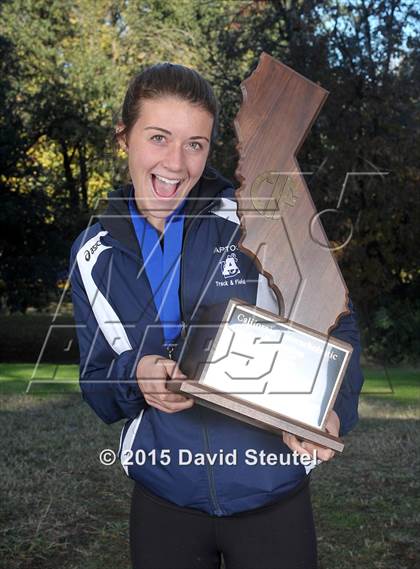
point(174, 158)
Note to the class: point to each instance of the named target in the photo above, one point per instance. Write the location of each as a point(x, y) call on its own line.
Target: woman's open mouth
point(165, 187)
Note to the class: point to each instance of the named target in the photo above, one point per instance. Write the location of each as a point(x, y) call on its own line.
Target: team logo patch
point(229, 266)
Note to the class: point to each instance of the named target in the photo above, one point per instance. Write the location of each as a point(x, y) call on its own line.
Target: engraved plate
point(264, 370)
point(276, 365)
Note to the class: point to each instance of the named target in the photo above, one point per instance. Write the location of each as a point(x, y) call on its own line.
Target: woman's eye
point(158, 137)
point(195, 145)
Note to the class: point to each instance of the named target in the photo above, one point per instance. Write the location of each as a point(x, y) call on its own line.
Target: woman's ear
point(121, 136)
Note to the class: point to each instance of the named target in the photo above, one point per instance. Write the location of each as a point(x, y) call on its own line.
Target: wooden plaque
point(280, 224)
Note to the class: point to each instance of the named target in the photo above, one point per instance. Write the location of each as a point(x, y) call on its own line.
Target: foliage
point(63, 72)
point(394, 332)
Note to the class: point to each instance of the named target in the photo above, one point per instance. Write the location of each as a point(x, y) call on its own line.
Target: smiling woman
point(166, 164)
point(134, 294)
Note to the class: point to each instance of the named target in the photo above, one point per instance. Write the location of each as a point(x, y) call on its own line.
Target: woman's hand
point(153, 372)
point(332, 426)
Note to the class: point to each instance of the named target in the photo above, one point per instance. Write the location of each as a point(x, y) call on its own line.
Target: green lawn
point(397, 384)
point(45, 378)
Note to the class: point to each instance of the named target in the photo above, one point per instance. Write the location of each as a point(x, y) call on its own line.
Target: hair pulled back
point(167, 79)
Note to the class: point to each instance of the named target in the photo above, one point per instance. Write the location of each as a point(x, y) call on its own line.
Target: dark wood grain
point(279, 221)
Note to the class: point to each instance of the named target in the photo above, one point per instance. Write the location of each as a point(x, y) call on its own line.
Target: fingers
point(174, 375)
point(307, 448)
point(322, 453)
point(172, 370)
point(294, 444)
point(169, 406)
point(153, 374)
point(332, 424)
point(158, 388)
point(157, 395)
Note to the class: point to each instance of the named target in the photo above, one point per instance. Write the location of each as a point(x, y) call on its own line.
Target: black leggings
point(278, 536)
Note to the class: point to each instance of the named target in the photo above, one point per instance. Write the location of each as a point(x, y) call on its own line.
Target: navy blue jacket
point(117, 325)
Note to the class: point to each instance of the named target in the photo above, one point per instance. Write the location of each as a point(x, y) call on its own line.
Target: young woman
point(139, 277)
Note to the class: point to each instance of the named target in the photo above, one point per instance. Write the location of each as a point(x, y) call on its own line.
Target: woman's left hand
point(332, 426)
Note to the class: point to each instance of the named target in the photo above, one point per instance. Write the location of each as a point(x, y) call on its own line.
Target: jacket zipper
point(185, 324)
point(210, 475)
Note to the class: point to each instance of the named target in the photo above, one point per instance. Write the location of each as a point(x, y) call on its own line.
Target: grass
point(62, 508)
point(366, 502)
point(41, 379)
point(396, 384)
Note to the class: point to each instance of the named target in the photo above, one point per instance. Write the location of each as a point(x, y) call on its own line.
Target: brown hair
point(167, 79)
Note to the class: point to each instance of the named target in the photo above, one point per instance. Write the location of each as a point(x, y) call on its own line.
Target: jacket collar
point(117, 221)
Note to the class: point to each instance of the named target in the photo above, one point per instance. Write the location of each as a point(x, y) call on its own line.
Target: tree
point(65, 68)
point(365, 54)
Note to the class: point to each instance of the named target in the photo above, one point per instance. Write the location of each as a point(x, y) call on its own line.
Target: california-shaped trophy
point(279, 371)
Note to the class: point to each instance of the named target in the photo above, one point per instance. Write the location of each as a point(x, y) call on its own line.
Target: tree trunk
point(70, 181)
point(83, 175)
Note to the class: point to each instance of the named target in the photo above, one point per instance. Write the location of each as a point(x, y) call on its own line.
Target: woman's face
point(167, 152)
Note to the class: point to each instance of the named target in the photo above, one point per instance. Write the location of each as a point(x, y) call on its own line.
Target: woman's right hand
point(153, 372)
